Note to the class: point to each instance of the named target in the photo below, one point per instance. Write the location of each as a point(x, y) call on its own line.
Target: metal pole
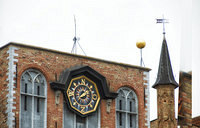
point(141, 57)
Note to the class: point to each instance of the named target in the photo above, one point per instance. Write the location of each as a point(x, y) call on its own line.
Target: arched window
point(126, 109)
point(33, 99)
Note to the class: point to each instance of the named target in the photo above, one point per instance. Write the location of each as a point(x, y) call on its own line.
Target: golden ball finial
point(141, 44)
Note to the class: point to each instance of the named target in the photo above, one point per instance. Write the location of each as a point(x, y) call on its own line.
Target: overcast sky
point(108, 29)
point(195, 57)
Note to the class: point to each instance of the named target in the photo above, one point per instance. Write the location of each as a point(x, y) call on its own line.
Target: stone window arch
point(33, 95)
point(126, 108)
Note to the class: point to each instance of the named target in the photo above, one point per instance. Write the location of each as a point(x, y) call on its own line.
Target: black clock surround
point(92, 76)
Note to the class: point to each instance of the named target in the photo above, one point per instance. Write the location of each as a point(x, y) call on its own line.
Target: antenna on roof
point(163, 21)
point(76, 39)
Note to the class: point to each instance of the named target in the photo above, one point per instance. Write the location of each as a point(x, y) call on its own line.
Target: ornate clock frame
point(93, 78)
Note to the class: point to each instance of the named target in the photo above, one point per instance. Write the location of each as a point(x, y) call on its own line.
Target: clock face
point(83, 95)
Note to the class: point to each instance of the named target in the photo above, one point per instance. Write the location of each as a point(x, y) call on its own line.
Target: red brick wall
point(196, 122)
point(3, 86)
point(51, 63)
point(185, 100)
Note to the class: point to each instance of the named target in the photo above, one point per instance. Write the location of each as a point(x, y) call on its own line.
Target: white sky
point(108, 29)
point(195, 57)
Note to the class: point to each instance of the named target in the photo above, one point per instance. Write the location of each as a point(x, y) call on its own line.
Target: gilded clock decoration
point(83, 95)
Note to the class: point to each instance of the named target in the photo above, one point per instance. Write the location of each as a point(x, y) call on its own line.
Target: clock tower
point(165, 85)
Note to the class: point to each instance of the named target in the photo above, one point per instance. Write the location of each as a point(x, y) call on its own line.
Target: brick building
point(45, 88)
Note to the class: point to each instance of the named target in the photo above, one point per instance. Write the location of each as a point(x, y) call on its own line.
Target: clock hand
point(83, 94)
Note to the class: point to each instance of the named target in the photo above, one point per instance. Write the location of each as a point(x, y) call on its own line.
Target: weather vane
point(76, 39)
point(163, 21)
point(141, 44)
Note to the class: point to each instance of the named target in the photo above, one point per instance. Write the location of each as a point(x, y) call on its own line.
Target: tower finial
point(163, 21)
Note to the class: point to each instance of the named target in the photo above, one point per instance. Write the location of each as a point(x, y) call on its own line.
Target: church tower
point(165, 85)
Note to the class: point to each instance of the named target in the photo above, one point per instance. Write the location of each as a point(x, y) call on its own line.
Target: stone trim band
point(11, 81)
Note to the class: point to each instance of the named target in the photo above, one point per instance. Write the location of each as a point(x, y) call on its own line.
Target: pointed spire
point(165, 74)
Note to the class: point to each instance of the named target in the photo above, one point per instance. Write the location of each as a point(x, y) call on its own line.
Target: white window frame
point(33, 96)
point(126, 111)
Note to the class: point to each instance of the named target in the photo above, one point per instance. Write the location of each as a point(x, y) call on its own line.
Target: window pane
point(131, 121)
point(39, 86)
point(26, 83)
point(131, 106)
point(121, 120)
point(134, 106)
point(25, 103)
point(33, 73)
point(126, 91)
point(120, 104)
point(131, 103)
point(80, 122)
point(38, 115)
point(93, 120)
point(68, 117)
point(26, 114)
point(121, 101)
